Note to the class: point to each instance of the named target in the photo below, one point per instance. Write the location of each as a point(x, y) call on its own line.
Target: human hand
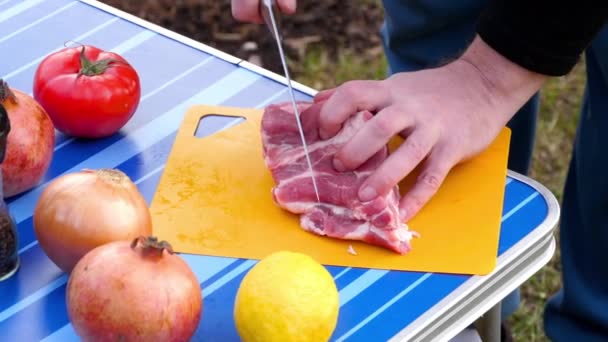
point(446, 115)
point(248, 10)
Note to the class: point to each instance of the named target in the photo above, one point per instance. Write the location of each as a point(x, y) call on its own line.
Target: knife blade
point(268, 10)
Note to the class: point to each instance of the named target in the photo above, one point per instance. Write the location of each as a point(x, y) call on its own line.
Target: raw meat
point(340, 214)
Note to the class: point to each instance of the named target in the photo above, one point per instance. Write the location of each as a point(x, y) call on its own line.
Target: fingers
point(348, 99)
point(287, 6)
point(323, 95)
point(398, 164)
point(249, 10)
point(431, 177)
point(246, 10)
point(374, 135)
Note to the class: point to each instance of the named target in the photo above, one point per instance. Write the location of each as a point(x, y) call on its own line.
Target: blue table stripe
point(65, 334)
point(360, 284)
point(519, 223)
point(207, 270)
point(61, 30)
point(517, 192)
point(520, 205)
point(384, 307)
point(406, 300)
point(36, 22)
point(33, 298)
point(36, 61)
point(342, 272)
point(133, 42)
point(5, 4)
point(242, 268)
point(348, 277)
point(18, 8)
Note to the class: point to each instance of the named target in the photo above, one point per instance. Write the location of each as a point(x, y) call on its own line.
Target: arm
point(451, 113)
point(446, 114)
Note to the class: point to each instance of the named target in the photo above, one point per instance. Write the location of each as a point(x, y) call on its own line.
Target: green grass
point(560, 103)
point(559, 112)
point(320, 71)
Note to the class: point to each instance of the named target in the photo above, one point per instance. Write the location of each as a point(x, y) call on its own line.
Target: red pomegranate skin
point(117, 294)
point(30, 144)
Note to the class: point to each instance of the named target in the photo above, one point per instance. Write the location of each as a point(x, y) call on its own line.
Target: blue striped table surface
point(177, 73)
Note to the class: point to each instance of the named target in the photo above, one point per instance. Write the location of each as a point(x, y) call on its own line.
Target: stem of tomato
point(151, 243)
point(89, 68)
point(6, 93)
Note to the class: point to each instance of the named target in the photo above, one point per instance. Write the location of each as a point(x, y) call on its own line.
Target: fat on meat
point(340, 214)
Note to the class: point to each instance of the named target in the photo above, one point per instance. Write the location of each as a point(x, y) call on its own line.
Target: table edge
point(161, 30)
point(198, 45)
point(527, 265)
point(545, 228)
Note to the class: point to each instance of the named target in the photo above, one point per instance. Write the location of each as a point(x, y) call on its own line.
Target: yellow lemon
point(286, 296)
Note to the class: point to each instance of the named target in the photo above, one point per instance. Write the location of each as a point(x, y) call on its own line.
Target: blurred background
point(329, 42)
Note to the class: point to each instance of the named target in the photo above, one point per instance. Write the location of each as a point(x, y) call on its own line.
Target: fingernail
point(402, 214)
point(338, 165)
point(367, 194)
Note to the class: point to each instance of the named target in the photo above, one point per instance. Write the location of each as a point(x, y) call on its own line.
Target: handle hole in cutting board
point(213, 123)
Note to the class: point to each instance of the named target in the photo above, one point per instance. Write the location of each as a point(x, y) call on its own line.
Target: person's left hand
point(446, 115)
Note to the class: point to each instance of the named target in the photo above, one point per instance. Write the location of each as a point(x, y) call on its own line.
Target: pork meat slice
point(340, 214)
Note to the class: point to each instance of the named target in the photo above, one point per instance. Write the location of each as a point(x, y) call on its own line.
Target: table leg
point(488, 325)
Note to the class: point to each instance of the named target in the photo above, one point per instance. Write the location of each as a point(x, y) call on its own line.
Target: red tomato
point(87, 92)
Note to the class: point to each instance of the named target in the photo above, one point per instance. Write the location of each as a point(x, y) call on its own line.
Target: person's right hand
point(249, 10)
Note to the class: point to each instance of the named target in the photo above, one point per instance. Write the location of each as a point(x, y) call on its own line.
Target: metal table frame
point(483, 306)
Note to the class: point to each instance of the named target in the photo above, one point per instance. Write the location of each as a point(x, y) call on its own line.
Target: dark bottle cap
point(5, 128)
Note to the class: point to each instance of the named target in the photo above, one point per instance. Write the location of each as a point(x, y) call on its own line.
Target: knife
point(268, 10)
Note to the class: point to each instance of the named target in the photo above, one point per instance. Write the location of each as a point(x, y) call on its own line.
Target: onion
point(134, 291)
point(82, 210)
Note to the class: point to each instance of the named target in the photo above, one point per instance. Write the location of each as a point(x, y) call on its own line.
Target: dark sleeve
point(544, 36)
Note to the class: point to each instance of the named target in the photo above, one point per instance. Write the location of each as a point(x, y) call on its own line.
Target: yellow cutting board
point(214, 198)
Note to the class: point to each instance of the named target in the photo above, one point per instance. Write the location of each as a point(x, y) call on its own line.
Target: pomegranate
point(30, 143)
point(134, 291)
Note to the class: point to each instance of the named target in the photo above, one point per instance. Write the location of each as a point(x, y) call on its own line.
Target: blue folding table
point(176, 73)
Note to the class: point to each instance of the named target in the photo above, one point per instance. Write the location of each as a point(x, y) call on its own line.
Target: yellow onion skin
point(82, 210)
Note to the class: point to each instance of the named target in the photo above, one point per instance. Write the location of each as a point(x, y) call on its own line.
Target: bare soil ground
point(330, 24)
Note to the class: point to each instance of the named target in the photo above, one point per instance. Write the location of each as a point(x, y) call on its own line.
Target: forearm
point(521, 43)
point(505, 85)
